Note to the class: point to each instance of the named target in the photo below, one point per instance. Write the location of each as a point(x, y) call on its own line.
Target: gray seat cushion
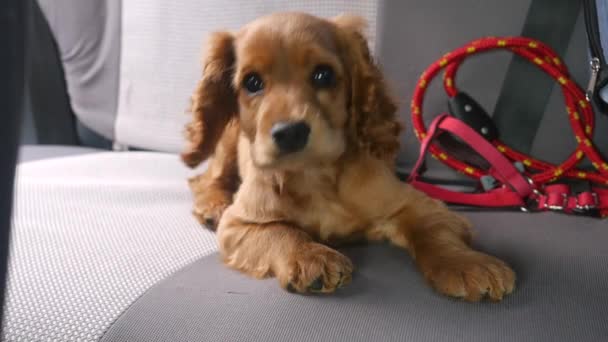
point(28, 153)
point(91, 233)
point(561, 262)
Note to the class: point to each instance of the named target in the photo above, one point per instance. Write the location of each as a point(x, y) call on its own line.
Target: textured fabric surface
point(87, 33)
point(90, 234)
point(161, 53)
point(561, 262)
point(29, 153)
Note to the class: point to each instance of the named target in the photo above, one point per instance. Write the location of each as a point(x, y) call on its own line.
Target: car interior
point(97, 237)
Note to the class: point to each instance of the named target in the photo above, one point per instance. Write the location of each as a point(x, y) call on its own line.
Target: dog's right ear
point(373, 121)
point(214, 102)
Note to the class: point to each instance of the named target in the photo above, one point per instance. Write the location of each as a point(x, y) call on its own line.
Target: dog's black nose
point(290, 136)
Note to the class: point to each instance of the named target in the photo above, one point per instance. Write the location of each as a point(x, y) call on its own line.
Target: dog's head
point(305, 91)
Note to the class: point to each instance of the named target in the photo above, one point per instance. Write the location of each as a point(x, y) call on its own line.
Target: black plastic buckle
point(463, 107)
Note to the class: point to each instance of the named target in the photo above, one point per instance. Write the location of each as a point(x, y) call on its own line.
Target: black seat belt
point(518, 113)
point(12, 53)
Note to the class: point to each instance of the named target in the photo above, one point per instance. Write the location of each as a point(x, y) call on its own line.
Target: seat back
point(413, 34)
point(131, 66)
point(87, 36)
point(161, 58)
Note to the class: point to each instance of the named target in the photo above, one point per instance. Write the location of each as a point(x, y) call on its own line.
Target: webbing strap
point(518, 113)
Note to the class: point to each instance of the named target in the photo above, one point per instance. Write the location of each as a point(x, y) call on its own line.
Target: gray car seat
point(104, 246)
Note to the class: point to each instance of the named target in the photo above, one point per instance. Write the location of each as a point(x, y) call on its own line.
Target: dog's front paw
point(470, 275)
point(209, 212)
point(210, 201)
point(315, 268)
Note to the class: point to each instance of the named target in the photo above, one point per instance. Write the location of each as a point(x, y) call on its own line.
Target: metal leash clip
point(532, 201)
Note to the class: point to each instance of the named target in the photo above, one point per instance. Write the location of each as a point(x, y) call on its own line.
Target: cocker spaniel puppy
point(302, 135)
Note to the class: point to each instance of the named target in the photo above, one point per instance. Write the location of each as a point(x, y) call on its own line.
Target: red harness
point(535, 188)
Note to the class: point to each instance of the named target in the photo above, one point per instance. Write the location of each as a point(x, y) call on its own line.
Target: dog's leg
point(278, 249)
point(213, 190)
point(439, 241)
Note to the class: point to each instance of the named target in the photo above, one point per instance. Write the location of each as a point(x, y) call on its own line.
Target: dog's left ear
point(373, 124)
point(214, 102)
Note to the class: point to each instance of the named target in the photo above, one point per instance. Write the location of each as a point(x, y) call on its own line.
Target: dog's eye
point(253, 83)
point(323, 76)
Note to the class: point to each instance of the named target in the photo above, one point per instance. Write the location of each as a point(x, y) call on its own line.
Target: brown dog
point(303, 135)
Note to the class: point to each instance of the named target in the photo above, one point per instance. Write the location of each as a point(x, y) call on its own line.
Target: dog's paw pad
point(209, 216)
point(210, 222)
point(316, 285)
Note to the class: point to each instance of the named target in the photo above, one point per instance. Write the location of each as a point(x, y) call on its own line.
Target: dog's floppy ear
point(214, 101)
point(373, 124)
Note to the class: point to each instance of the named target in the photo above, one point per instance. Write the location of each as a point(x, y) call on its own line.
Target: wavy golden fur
point(277, 214)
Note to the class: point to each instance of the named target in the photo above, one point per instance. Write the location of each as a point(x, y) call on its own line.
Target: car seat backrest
point(161, 53)
point(131, 66)
point(413, 34)
point(87, 36)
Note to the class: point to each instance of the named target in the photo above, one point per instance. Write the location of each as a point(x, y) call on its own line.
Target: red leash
point(535, 188)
